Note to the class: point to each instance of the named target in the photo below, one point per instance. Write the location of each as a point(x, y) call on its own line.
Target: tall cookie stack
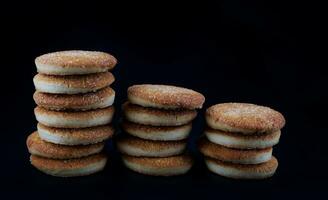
point(239, 140)
point(74, 110)
point(158, 120)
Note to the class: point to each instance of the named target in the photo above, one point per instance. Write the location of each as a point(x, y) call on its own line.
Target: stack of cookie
point(158, 121)
point(239, 140)
point(74, 110)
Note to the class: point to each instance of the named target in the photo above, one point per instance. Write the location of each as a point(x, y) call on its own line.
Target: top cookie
point(244, 118)
point(165, 96)
point(74, 62)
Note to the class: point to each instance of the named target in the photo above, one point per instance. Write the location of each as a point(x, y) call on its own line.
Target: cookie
point(72, 84)
point(242, 141)
point(160, 133)
point(157, 117)
point(134, 146)
point(244, 118)
point(74, 62)
point(87, 101)
point(75, 136)
point(249, 156)
point(70, 168)
point(167, 166)
point(241, 171)
point(165, 97)
point(74, 119)
point(37, 146)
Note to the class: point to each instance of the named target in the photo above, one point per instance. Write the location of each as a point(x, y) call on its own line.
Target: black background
point(240, 51)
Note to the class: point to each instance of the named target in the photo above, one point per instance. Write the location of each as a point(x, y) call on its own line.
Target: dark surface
point(263, 53)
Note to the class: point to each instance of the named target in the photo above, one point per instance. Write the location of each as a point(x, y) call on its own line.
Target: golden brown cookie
point(87, 101)
point(37, 146)
point(75, 136)
point(157, 117)
point(74, 62)
point(242, 171)
point(167, 166)
point(134, 146)
point(74, 119)
point(160, 133)
point(244, 118)
point(249, 156)
point(72, 167)
point(72, 84)
point(243, 141)
point(165, 96)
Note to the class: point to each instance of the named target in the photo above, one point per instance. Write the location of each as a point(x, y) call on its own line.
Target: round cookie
point(252, 156)
point(87, 101)
point(134, 146)
point(168, 166)
point(72, 84)
point(70, 168)
point(75, 136)
point(77, 119)
point(161, 133)
point(74, 62)
point(242, 141)
point(244, 118)
point(37, 146)
point(242, 171)
point(165, 96)
point(157, 117)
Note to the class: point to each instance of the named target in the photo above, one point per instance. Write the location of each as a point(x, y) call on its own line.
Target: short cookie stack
point(158, 121)
point(74, 111)
point(239, 140)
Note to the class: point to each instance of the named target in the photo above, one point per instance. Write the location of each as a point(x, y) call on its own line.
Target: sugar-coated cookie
point(157, 117)
point(244, 118)
point(74, 62)
point(72, 84)
point(87, 101)
point(39, 147)
point(134, 146)
point(70, 168)
point(160, 133)
point(74, 119)
point(165, 97)
point(243, 141)
point(240, 156)
point(167, 166)
point(75, 136)
point(242, 171)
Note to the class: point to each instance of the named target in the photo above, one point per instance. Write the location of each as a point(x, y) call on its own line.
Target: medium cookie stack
point(158, 121)
point(74, 111)
point(239, 140)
